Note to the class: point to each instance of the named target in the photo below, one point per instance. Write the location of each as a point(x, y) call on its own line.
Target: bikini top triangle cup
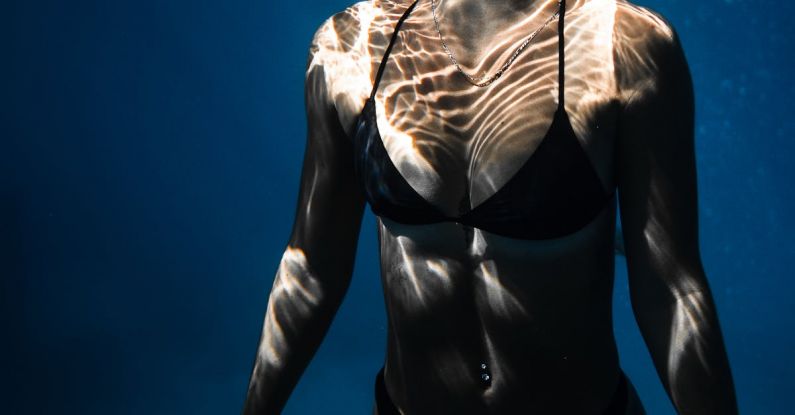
point(555, 193)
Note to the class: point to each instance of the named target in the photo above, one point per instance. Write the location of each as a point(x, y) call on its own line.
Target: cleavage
point(455, 159)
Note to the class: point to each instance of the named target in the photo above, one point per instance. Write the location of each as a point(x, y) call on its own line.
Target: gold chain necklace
point(479, 80)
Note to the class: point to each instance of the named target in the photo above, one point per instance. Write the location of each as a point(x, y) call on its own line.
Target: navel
point(485, 375)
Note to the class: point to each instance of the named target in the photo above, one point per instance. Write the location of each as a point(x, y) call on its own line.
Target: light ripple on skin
point(294, 294)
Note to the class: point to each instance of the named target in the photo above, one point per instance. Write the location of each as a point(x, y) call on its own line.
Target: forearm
point(299, 313)
point(686, 345)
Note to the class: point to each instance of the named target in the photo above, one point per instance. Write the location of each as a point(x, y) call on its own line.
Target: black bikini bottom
point(384, 405)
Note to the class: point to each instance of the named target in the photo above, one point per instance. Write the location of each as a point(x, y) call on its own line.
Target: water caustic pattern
point(295, 293)
point(554, 193)
point(482, 321)
point(488, 132)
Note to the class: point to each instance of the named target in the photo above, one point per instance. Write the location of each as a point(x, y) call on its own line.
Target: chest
point(456, 143)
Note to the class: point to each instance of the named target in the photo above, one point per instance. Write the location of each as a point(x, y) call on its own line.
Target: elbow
point(673, 295)
point(670, 291)
point(308, 288)
point(664, 270)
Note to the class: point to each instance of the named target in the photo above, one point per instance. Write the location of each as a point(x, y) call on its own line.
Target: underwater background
point(150, 154)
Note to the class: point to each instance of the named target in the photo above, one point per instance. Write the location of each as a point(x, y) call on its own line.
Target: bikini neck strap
point(389, 48)
point(561, 55)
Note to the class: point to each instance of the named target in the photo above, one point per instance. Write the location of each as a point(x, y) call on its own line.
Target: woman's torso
point(537, 313)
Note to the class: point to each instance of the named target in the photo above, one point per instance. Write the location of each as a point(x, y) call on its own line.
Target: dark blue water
point(149, 162)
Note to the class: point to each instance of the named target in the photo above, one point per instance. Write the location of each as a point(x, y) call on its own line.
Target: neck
point(481, 11)
point(473, 26)
point(502, 5)
point(493, 14)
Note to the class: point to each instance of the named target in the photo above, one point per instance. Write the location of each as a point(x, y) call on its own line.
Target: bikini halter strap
point(389, 48)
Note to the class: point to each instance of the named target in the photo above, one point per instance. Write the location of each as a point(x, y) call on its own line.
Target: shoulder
point(350, 30)
point(338, 33)
point(646, 48)
point(337, 55)
point(639, 22)
point(345, 51)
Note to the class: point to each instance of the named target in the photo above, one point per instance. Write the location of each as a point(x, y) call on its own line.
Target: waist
point(540, 392)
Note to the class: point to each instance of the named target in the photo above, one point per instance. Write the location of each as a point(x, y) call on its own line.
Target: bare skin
point(538, 313)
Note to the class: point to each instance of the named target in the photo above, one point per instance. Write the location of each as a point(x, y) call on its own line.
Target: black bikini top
point(555, 193)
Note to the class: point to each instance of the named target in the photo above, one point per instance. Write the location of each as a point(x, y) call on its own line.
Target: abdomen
point(536, 313)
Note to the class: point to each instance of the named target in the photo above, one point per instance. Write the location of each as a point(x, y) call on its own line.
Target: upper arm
point(655, 162)
point(330, 204)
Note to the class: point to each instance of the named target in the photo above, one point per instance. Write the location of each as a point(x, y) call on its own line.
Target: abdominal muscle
point(536, 313)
